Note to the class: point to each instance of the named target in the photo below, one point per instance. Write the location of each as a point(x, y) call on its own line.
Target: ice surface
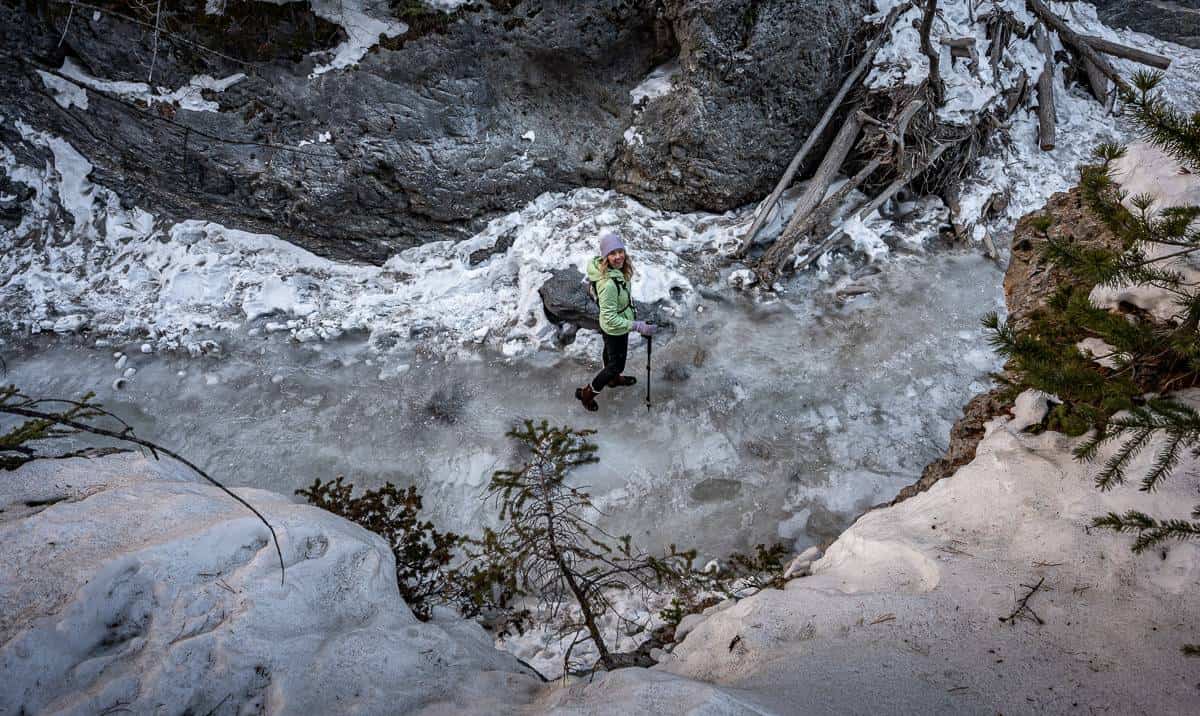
point(761, 410)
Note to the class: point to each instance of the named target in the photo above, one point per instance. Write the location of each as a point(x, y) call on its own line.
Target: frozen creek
point(777, 419)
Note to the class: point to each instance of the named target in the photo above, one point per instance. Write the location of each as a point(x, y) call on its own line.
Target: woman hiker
point(610, 274)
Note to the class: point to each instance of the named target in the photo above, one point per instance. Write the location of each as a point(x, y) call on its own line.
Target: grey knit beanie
point(609, 243)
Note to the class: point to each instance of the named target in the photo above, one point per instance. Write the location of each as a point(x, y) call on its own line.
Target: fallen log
point(936, 87)
point(1097, 81)
point(814, 193)
point(960, 46)
point(1125, 52)
point(772, 262)
point(1013, 96)
point(798, 159)
point(1077, 43)
point(835, 237)
point(1045, 91)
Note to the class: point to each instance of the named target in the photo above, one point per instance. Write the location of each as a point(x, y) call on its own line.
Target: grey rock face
point(429, 134)
point(426, 133)
point(565, 300)
point(754, 77)
point(1174, 20)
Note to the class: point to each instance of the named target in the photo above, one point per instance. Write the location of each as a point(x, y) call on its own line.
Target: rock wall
point(454, 120)
point(126, 588)
point(1174, 20)
point(753, 77)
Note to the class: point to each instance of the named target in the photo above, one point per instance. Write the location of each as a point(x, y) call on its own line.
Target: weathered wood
point(906, 115)
point(935, 76)
point(1096, 80)
point(798, 159)
point(959, 43)
point(1045, 92)
point(1014, 95)
point(814, 193)
point(1076, 42)
point(771, 262)
point(835, 237)
point(1116, 49)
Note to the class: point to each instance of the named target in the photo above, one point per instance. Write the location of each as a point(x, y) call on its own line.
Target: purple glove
point(646, 329)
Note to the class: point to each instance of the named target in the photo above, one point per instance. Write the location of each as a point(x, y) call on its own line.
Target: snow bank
point(1146, 170)
point(903, 612)
point(124, 587)
point(127, 272)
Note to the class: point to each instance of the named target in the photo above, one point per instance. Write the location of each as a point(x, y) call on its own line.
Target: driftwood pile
point(891, 139)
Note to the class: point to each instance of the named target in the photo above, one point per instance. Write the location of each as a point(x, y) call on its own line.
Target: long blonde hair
point(626, 268)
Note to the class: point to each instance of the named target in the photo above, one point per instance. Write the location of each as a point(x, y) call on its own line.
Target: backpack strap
point(620, 284)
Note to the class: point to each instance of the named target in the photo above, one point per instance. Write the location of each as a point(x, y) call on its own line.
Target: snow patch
point(1148, 171)
point(187, 97)
point(184, 606)
point(66, 93)
point(657, 84)
point(364, 21)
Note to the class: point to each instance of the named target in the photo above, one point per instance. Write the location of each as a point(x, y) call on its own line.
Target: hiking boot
point(587, 396)
point(622, 381)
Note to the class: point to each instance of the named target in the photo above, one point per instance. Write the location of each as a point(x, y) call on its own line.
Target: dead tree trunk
point(1045, 91)
point(775, 260)
point(1076, 43)
point(873, 205)
point(936, 88)
point(814, 193)
point(1116, 49)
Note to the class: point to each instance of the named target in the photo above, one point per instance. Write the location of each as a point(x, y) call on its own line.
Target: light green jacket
point(612, 292)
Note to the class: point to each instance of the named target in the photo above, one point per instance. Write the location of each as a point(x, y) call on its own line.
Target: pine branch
point(79, 411)
point(1173, 131)
point(1150, 531)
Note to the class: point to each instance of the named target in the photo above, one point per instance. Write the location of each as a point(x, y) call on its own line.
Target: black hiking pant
point(616, 348)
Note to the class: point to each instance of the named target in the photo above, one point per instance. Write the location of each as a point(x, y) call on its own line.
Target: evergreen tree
point(1129, 403)
point(554, 549)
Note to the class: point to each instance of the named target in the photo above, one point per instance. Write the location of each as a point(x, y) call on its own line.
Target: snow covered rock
point(1030, 409)
point(123, 586)
point(911, 595)
point(1100, 351)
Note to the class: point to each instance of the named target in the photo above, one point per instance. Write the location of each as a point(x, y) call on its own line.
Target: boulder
point(565, 300)
point(124, 587)
point(460, 118)
point(1177, 21)
point(754, 76)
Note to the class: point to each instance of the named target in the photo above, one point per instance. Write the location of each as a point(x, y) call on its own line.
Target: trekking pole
point(649, 347)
